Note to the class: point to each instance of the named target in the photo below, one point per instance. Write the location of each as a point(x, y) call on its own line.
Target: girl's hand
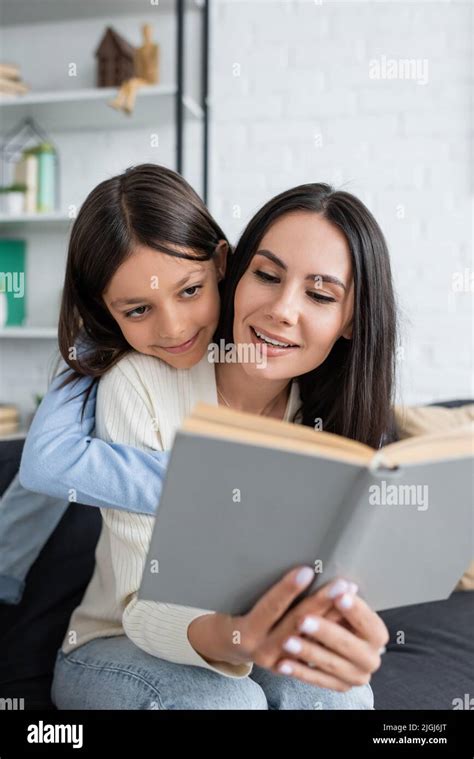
point(320, 651)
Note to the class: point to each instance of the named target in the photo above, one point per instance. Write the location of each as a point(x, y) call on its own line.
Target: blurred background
point(246, 99)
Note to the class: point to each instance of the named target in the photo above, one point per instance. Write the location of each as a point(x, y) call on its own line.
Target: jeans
point(26, 522)
point(113, 673)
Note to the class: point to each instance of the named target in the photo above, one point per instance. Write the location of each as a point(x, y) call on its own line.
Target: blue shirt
point(62, 459)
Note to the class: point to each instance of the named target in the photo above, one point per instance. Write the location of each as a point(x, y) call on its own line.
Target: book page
point(279, 431)
point(453, 444)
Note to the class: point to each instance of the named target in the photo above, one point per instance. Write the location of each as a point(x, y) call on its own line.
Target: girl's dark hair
point(351, 392)
point(148, 205)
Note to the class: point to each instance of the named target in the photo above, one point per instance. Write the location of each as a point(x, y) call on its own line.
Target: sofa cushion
point(426, 420)
point(429, 660)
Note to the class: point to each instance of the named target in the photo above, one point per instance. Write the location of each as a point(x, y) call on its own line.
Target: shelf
point(36, 220)
point(43, 11)
point(88, 108)
point(32, 333)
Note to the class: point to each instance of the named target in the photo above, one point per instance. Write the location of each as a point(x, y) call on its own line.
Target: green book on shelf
point(12, 283)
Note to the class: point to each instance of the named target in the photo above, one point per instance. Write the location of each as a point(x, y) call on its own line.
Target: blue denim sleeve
point(62, 459)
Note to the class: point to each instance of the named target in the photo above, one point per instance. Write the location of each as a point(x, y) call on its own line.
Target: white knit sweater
point(142, 402)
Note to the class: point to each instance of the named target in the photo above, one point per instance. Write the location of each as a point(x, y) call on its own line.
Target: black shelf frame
point(180, 76)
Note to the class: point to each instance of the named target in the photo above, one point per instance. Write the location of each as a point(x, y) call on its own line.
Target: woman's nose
point(284, 310)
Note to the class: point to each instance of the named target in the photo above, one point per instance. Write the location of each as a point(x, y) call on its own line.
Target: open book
point(248, 498)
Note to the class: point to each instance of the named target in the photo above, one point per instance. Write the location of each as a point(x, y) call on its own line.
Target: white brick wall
point(292, 102)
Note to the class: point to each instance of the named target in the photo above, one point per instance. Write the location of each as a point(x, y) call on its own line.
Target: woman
point(311, 278)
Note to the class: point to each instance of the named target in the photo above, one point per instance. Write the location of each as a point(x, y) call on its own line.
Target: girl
point(148, 384)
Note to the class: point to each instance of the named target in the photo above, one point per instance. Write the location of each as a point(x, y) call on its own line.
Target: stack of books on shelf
point(9, 419)
point(10, 80)
point(35, 172)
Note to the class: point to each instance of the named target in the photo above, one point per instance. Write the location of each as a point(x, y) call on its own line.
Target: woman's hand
point(238, 639)
point(318, 650)
point(344, 659)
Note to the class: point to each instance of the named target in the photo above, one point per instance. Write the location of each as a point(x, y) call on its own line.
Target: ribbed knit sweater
point(142, 402)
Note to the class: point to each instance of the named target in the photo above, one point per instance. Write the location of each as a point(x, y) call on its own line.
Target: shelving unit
point(48, 106)
point(75, 108)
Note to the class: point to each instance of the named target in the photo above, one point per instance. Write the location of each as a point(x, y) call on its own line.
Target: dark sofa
point(432, 668)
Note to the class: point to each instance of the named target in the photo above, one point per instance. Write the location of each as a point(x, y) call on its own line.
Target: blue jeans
point(113, 673)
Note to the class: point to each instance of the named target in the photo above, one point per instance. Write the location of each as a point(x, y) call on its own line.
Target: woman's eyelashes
point(320, 298)
point(263, 276)
point(186, 294)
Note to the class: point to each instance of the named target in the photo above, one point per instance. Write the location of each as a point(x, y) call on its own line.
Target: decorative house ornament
point(115, 60)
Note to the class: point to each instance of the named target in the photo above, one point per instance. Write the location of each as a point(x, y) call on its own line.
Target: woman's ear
point(220, 258)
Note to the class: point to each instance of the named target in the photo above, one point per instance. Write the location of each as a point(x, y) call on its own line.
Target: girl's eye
point(321, 298)
point(265, 277)
point(191, 291)
point(139, 311)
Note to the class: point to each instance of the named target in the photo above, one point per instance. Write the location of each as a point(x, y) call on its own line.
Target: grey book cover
point(234, 517)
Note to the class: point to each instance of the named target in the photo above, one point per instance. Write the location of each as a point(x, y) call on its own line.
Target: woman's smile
point(275, 345)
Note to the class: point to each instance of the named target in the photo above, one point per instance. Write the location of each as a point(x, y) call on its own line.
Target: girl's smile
point(182, 348)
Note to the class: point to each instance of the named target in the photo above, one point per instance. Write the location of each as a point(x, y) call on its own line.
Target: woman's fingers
point(365, 622)
point(275, 602)
point(314, 654)
point(322, 600)
point(341, 641)
point(319, 603)
point(308, 675)
point(334, 615)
